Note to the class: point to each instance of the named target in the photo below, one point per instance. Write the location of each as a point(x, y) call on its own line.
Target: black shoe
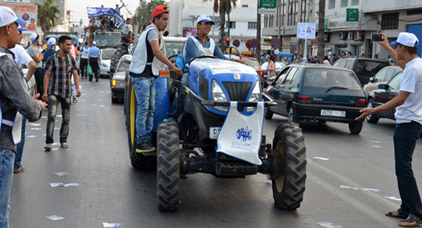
point(96, 80)
point(90, 79)
point(411, 221)
point(145, 147)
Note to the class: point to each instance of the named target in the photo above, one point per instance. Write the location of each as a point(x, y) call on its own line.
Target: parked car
point(383, 76)
point(117, 82)
point(106, 55)
point(253, 62)
point(364, 68)
point(278, 67)
point(385, 93)
point(306, 92)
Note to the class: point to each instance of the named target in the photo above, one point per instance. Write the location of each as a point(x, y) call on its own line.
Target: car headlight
point(217, 94)
point(255, 96)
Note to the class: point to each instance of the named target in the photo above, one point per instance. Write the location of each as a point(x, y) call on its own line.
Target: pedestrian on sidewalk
point(94, 59)
point(22, 58)
point(408, 116)
point(59, 70)
point(13, 97)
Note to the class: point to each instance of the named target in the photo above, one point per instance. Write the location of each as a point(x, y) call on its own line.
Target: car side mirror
point(383, 86)
point(372, 79)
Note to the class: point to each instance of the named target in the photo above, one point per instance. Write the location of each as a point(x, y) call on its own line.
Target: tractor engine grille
point(238, 91)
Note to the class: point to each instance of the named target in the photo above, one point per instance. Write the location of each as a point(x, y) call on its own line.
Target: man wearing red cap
point(148, 59)
point(408, 116)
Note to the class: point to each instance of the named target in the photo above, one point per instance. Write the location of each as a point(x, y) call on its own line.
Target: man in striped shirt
point(59, 70)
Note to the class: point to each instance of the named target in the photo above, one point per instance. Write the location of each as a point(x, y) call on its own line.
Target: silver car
point(117, 81)
point(383, 76)
point(106, 55)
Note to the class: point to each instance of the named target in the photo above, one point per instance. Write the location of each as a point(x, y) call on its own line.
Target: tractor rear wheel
point(289, 160)
point(168, 166)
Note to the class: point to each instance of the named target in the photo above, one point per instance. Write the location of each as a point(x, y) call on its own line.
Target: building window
point(265, 20)
point(414, 12)
point(303, 11)
point(244, 6)
point(252, 25)
point(331, 4)
point(390, 21)
point(283, 11)
point(232, 25)
point(271, 21)
point(343, 3)
point(292, 12)
point(355, 2)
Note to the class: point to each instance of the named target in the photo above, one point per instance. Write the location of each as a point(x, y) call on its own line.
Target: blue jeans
point(53, 102)
point(145, 96)
point(405, 137)
point(7, 158)
point(19, 147)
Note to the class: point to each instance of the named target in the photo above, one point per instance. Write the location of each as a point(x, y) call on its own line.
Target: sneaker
point(145, 147)
point(75, 100)
point(18, 170)
point(411, 221)
point(48, 147)
point(65, 145)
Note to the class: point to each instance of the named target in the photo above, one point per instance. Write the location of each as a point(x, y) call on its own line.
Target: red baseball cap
point(159, 10)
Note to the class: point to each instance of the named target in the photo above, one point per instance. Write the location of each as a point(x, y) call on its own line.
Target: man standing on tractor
point(147, 61)
point(127, 31)
point(200, 44)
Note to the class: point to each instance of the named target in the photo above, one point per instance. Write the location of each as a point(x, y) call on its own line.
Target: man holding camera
point(408, 124)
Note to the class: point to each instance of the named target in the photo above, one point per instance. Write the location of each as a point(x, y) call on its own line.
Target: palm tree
point(222, 7)
point(47, 15)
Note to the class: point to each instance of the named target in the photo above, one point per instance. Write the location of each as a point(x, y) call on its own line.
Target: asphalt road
point(112, 191)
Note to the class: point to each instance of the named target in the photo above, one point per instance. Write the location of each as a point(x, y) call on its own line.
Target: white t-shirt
point(411, 82)
point(21, 56)
point(126, 29)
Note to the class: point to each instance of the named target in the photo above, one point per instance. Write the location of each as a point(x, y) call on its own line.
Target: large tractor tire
point(121, 50)
point(138, 160)
point(168, 166)
point(289, 172)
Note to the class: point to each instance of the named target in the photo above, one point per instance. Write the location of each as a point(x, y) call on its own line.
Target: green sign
point(268, 4)
point(325, 24)
point(352, 15)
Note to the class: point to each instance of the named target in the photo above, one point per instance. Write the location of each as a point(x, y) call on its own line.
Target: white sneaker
point(48, 147)
point(65, 145)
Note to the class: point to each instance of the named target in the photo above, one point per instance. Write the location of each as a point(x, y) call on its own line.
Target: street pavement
point(112, 191)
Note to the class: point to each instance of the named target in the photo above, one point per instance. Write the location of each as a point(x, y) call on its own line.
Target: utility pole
point(321, 17)
point(258, 32)
point(279, 24)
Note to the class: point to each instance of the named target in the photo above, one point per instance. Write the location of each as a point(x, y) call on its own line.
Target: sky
point(79, 8)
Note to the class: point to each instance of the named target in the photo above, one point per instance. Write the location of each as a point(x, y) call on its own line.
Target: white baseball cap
point(406, 39)
point(33, 37)
point(7, 16)
point(204, 18)
point(51, 42)
point(94, 43)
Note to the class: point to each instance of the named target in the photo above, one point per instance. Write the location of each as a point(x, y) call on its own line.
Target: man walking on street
point(59, 70)
point(35, 52)
point(84, 59)
point(13, 97)
point(408, 116)
point(22, 58)
point(147, 60)
point(94, 59)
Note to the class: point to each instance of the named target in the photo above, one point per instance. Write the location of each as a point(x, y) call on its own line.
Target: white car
point(106, 55)
point(278, 67)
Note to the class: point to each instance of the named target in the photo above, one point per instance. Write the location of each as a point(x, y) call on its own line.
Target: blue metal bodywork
point(162, 104)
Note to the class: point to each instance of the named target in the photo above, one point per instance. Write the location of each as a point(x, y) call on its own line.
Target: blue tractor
point(213, 123)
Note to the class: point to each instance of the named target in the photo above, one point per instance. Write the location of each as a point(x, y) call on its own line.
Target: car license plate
point(214, 132)
point(325, 112)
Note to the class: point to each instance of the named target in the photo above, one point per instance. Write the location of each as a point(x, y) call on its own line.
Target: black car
point(385, 93)
point(306, 92)
point(364, 68)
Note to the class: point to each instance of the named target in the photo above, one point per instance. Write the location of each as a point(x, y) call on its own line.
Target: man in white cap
point(22, 58)
point(51, 49)
point(13, 97)
point(408, 104)
point(94, 59)
point(200, 44)
point(35, 52)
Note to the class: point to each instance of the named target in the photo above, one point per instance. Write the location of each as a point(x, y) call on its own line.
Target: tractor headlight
point(217, 94)
point(255, 96)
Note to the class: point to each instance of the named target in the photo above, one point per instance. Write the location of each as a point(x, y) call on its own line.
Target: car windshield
point(252, 63)
point(124, 65)
point(108, 39)
point(107, 54)
point(394, 84)
point(173, 48)
point(330, 78)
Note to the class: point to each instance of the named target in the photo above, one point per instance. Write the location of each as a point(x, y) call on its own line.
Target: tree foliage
point(47, 15)
point(223, 7)
point(145, 12)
